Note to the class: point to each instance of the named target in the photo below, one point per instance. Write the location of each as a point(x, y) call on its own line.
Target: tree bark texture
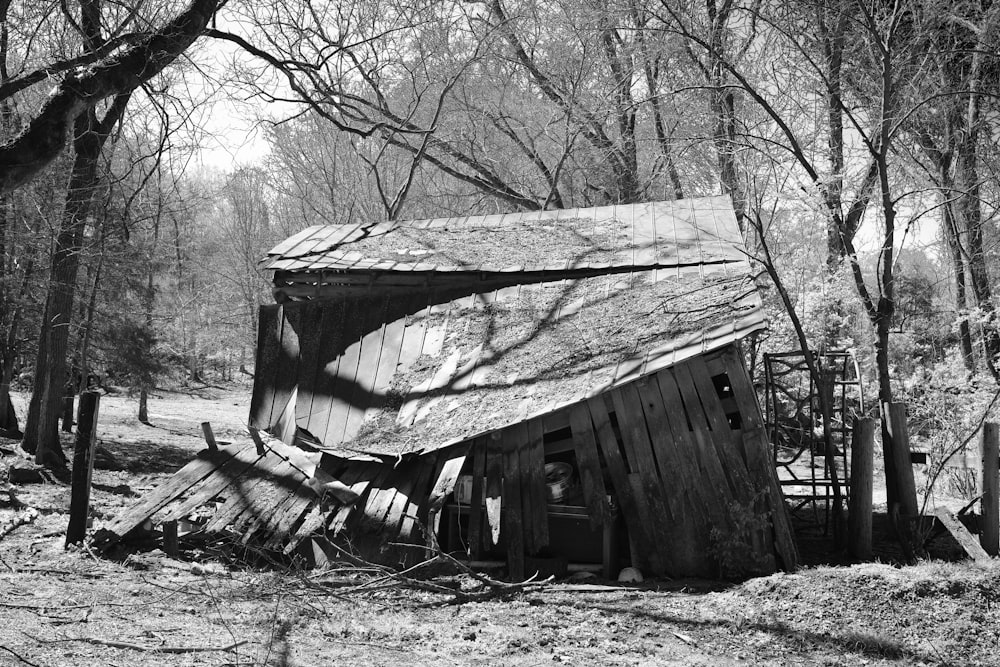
point(45, 137)
point(41, 435)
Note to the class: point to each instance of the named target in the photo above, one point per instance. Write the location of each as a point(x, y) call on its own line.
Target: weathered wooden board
point(512, 517)
point(286, 374)
point(624, 492)
point(268, 342)
point(494, 486)
point(409, 518)
point(220, 480)
point(362, 390)
point(632, 425)
point(759, 456)
point(749, 491)
point(275, 487)
point(722, 435)
point(533, 473)
point(675, 468)
point(347, 371)
point(962, 535)
point(309, 367)
point(392, 342)
point(708, 456)
point(373, 506)
point(659, 517)
point(240, 493)
point(476, 513)
point(589, 464)
point(450, 463)
point(184, 479)
point(331, 344)
point(702, 492)
point(357, 475)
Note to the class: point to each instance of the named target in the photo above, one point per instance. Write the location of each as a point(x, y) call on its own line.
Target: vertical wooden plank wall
point(268, 337)
point(689, 467)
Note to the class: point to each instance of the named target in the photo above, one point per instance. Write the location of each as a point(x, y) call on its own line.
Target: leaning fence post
point(206, 429)
point(83, 467)
point(859, 516)
point(989, 538)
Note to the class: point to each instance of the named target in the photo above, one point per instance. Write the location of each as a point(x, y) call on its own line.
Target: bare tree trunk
point(961, 296)
point(969, 208)
point(41, 435)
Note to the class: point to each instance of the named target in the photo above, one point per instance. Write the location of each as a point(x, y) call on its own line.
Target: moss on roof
point(550, 345)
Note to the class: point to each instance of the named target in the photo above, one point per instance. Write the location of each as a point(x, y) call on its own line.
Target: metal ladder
point(793, 419)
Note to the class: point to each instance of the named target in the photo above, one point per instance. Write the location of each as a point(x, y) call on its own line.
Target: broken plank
point(397, 522)
point(494, 486)
point(206, 462)
point(240, 493)
point(965, 539)
point(323, 512)
point(417, 507)
point(446, 480)
point(273, 489)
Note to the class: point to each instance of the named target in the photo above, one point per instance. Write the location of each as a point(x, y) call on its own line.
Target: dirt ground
point(71, 607)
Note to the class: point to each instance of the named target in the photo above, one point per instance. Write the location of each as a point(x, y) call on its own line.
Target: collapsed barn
point(540, 388)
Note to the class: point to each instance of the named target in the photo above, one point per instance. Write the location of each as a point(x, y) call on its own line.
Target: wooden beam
point(206, 429)
point(961, 534)
point(990, 535)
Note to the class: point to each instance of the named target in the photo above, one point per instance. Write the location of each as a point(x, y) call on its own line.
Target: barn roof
point(656, 234)
point(477, 364)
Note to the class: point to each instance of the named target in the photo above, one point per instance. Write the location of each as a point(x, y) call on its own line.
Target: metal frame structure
point(793, 418)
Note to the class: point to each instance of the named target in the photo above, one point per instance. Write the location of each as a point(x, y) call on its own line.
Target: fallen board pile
point(273, 495)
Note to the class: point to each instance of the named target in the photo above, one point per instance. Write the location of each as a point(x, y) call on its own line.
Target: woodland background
point(857, 140)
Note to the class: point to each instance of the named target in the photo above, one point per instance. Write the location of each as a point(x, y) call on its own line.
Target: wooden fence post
point(859, 530)
point(83, 467)
point(905, 486)
point(206, 429)
point(990, 535)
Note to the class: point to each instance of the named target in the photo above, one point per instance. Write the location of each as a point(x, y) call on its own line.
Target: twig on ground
point(138, 647)
point(18, 656)
point(684, 638)
point(50, 570)
point(160, 649)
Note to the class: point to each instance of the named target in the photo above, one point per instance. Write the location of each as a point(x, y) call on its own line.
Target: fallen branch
point(18, 656)
point(139, 647)
point(27, 516)
point(159, 649)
